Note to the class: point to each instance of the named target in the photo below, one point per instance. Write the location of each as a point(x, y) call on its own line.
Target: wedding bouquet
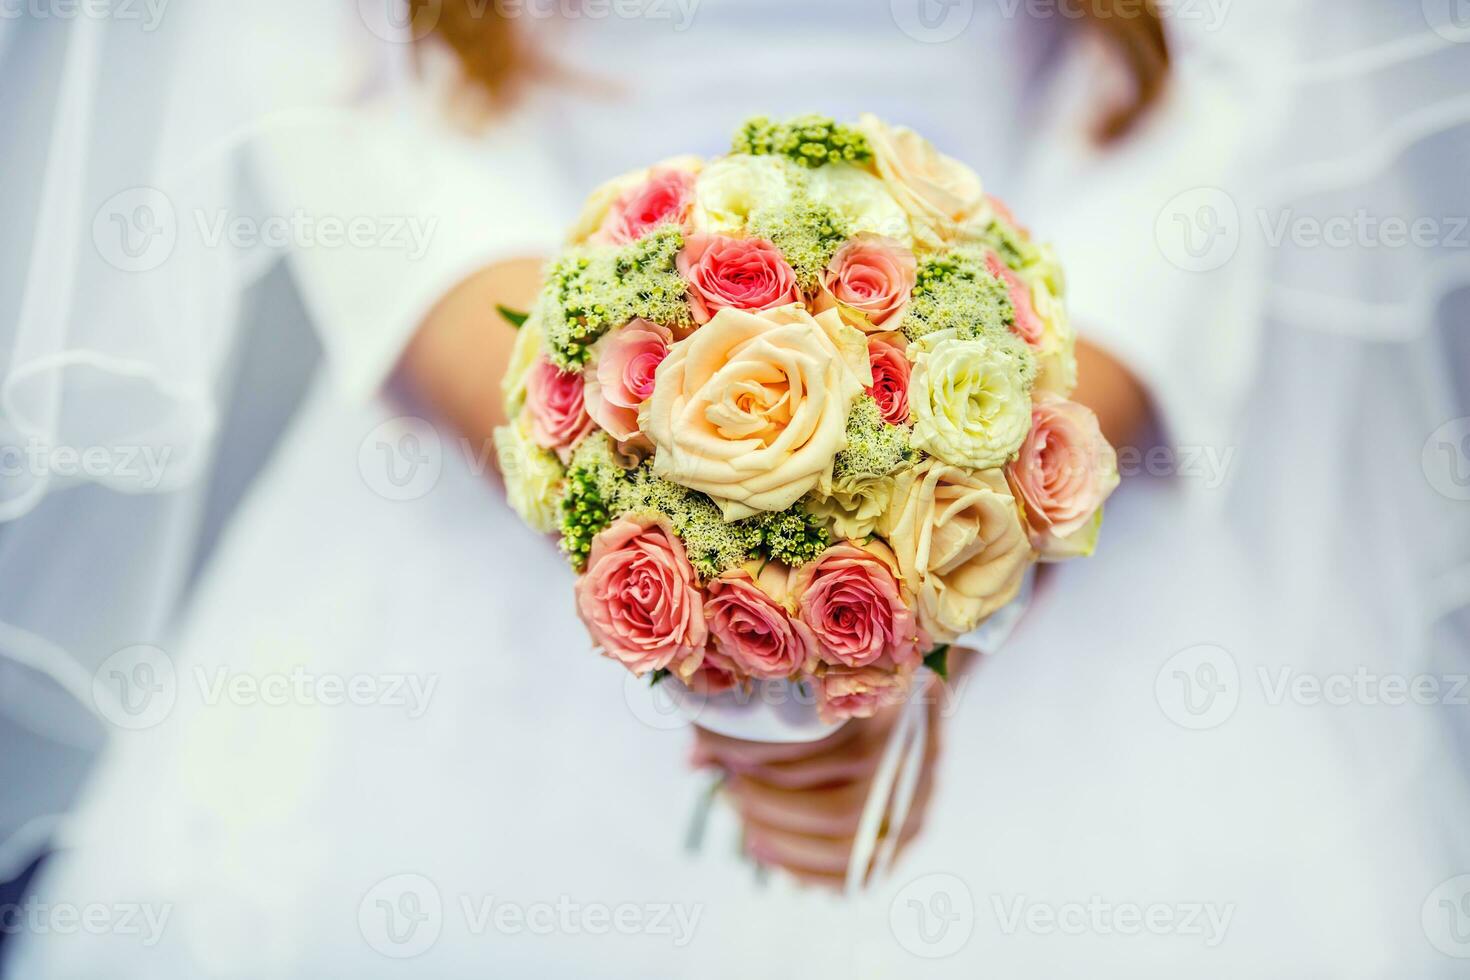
point(800, 412)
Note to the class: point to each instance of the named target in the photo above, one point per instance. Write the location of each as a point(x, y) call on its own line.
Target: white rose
point(730, 188)
point(861, 199)
point(970, 399)
point(533, 476)
point(854, 505)
point(752, 408)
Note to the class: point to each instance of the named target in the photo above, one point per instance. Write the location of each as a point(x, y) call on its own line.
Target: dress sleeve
point(1150, 235)
point(391, 207)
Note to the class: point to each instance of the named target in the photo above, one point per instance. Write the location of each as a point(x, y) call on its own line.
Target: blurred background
point(287, 691)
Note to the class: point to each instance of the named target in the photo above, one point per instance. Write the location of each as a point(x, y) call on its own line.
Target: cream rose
point(939, 193)
point(523, 354)
point(729, 189)
point(1056, 355)
point(532, 476)
point(960, 544)
point(860, 199)
point(970, 399)
point(752, 407)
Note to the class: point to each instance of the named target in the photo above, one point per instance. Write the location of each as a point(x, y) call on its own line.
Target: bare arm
point(1109, 389)
point(458, 356)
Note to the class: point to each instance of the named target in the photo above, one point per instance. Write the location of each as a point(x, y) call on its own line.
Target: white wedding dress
point(488, 761)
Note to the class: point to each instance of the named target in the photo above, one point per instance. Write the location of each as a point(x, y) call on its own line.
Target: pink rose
point(667, 196)
point(1028, 325)
point(640, 599)
point(869, 280)
point(749, 623)
point(622, 378)
point(890, 388)
point(1064, 471)
point(844, 694)
point(716, 674)
point(742, 273)
point(556, 408)
point(852, 599)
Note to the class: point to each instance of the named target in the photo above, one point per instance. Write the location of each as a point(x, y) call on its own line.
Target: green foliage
point(516, 318)
point(713, 546)
point(874, 448)
point(810, 140)
point(807, 233)
point(589, 502)
point(937, 660)
point(591, 289)
point(955, 291)
point(793, 536)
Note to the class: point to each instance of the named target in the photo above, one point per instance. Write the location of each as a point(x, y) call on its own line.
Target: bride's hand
point(800, 803)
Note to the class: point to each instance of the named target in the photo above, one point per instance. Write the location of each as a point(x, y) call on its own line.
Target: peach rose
point(556, 409)
point(621, 376)
point(890, 365)
point(869, 280)
point(752, 407)
point(938, 192)
point(667, 196)
point(857, 608)
point(844, 693)
point(960, 544)
point(736, 273)
point(751, 624)
point(1063, 473)
point(640, 598)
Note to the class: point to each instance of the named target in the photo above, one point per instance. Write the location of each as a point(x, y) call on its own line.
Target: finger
point(734, 752)
point(856, 760)
point(807, 854)
point(831, 812)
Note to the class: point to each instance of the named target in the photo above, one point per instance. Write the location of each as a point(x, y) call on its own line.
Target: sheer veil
point(127, 143)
